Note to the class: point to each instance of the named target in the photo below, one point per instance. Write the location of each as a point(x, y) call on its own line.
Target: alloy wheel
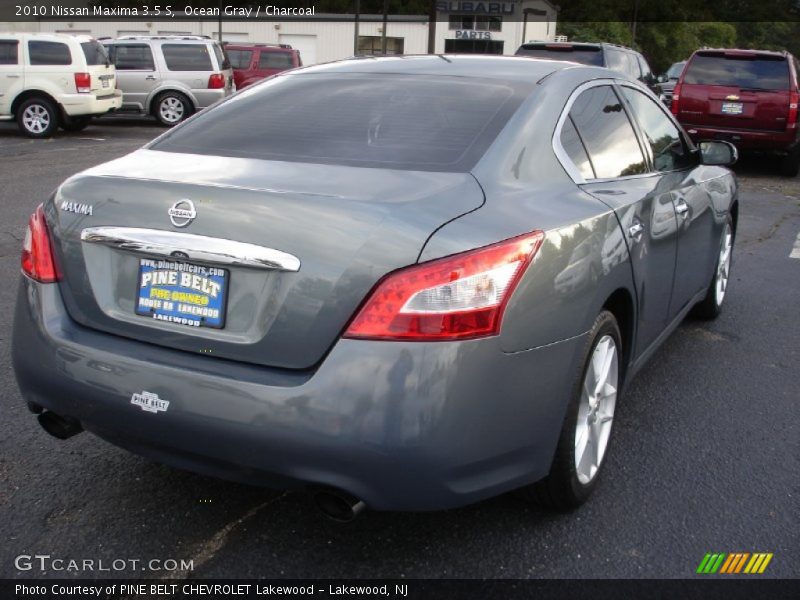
point(724, 264)
point(596, 409)
point(171, 109)
point(36, 118)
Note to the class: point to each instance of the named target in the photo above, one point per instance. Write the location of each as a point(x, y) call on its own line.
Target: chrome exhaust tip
point(338, 505)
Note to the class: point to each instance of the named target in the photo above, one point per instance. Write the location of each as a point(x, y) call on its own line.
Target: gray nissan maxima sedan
point(409, 283)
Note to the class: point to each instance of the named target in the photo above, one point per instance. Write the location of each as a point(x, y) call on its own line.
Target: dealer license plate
point(732, 108)
point(182, 293)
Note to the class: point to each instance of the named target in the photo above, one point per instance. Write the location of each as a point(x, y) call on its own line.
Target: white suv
point(52, 80)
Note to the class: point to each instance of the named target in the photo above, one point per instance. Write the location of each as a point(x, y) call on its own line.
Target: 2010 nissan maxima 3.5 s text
point(414, 282)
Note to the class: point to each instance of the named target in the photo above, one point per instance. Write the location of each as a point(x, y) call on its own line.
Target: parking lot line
point(795, 253)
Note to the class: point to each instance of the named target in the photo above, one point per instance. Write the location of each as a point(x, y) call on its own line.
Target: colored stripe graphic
point(734, 562)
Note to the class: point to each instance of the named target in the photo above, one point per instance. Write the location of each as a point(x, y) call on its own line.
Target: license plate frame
point(178, 300)
point(732, 108)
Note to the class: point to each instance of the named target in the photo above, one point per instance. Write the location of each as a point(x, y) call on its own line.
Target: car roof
point(740, 52)
point(57, 37)
point(260, 46)
point(515, 68)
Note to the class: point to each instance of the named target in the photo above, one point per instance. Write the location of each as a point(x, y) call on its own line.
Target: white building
point(475, 26)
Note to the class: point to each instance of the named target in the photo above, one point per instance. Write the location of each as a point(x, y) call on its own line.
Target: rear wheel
point(790, 165)
point(171, 108)
point(586, 432)
point(74, 124)
point(37, 118)
point(711, 305)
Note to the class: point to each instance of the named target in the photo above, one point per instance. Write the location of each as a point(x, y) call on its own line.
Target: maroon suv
point(254, 62)
point(748, 97)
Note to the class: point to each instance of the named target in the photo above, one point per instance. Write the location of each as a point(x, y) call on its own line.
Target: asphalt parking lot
point(705, 458)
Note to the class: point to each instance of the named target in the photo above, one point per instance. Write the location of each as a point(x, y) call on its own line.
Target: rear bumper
point(89, 104)
point(206, 98)
point(403, 426)
point(777, 141)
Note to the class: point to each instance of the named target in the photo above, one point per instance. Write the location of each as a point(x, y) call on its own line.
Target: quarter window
point(187, 57)
point(663, 137)
point(48, 53)
point(275, 60)
point(9, 52)
point(607, 134)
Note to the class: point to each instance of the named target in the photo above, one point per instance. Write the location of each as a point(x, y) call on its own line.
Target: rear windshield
point(95, 53)
point(739, 71)
point(583, 55)
point(390, 121)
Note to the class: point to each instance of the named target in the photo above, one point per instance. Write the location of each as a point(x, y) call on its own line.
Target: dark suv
point(748, 97)
point(617, 58)
point(254, 62)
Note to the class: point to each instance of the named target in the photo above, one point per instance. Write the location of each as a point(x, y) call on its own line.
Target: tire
point(37, 118)
point(75, 124)
point(711, 306)
point(170, 108)
point(589, 419)
point(790, 165)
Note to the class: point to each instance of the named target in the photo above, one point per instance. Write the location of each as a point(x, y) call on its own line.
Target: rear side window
point(582, 55)
point(607, 133)
point(765, 73)
point(275, 60)
point(240, 59)
point(133, 57)
point(663, 137)
point(390, 121)
point(95, 53)
point(48, 53)
point(187, 57)
point(9, 52)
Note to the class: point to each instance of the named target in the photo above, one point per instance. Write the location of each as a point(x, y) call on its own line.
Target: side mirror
point(718, 153)
point(663, 79)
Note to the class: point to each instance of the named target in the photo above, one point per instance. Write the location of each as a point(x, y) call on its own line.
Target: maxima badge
point(182, 213)
point(150, 402)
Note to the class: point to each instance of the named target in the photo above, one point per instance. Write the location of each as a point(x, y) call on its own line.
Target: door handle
point(13, 76)
point(150, 78)
point(681, 207)
point(636, 230)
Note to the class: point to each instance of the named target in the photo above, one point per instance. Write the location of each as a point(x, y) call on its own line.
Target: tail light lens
point(794, 100)
point(458, 297)
point(216, 81)
point(37, 254)
point(83, 83)
point(676, 99)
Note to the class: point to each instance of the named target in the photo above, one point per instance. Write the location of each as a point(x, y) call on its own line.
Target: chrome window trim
point(561, 154)
point(190, 247)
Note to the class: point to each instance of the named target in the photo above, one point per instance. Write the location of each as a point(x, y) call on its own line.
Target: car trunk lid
point(346, 226)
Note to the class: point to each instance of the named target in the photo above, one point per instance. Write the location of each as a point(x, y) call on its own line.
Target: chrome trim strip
point(187, 246)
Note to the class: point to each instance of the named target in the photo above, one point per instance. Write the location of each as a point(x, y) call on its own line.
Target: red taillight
point(83, 83)
point(37, 254)
point(457, 297)
point(676, 97)
point(794, 100)
point(216, 81)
